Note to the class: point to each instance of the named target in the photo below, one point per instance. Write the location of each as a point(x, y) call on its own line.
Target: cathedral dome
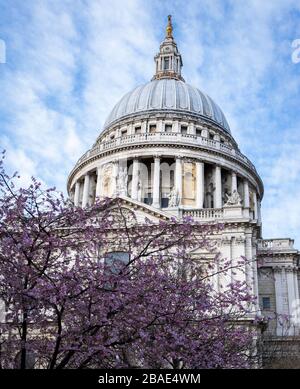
point(168, 145)
point(168, 94)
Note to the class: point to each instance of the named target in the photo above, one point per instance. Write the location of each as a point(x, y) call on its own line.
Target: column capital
point(290, 269)
point(188, 159)
point(277, 269)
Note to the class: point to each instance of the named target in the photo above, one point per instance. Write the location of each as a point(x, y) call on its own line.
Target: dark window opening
point(152, 128)
point(168, 128)
point(166, 64)
point(184, 129)
point(266, 303)
point(148, 199)
point(164, 202)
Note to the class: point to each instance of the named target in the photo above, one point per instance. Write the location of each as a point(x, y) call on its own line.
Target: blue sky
point(69, 62)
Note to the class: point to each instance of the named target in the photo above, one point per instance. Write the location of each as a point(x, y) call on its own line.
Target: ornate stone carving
point(226, 240)
point(234, 199)
point(173, 198)
point(277, 269)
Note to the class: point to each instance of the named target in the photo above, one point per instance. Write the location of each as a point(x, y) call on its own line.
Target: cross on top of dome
point(169, 28)
point(168, 61)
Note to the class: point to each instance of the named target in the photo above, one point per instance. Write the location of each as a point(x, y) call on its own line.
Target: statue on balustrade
point(234, 199)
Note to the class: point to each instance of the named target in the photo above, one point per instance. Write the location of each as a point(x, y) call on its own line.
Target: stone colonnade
point(116, 173)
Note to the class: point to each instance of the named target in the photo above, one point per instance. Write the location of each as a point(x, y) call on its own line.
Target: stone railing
point(275, 244)
point(203, 213)
point(168, 137)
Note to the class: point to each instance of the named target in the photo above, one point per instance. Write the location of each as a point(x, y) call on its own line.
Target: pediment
point(138, 211)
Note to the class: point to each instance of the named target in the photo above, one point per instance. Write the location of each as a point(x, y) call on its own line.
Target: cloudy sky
point(68, 62)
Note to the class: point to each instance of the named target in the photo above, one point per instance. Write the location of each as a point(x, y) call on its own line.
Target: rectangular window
point(115, 260)
point(124, 133)
point(137, 130)
point(166, 64)
point(198, 132)
point(183, 129)
point(168, 128)
point(266, 303)
point(152, 128)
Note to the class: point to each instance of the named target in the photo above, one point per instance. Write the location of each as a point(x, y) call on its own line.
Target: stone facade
point(166, 149)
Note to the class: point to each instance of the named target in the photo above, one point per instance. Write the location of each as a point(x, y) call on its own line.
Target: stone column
point(218, 188)
point(233, 182)
point(199, 184)
point(238, 251)
point(98, 184)
point(278, 298)
point(156, 183)
point(248, 255)
point(178, 178)
point(225, 275)
point(255, 206)
point(86, 190)
point(296, 313)
point(259, 211)
point(135, 179)
point(291, 294)
point(246, 194)
point(77, 192)
point(115, 178)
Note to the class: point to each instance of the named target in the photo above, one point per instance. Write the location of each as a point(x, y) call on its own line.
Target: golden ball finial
point(169, 28)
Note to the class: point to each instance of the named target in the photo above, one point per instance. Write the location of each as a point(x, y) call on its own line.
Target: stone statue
point(173, 198)
point(234, 199)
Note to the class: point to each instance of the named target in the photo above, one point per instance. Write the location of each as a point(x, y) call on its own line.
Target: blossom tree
point(94, 288)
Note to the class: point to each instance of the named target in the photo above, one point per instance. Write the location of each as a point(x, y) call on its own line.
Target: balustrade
point(169, 137)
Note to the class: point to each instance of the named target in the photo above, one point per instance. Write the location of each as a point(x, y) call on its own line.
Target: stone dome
point(168, 94)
